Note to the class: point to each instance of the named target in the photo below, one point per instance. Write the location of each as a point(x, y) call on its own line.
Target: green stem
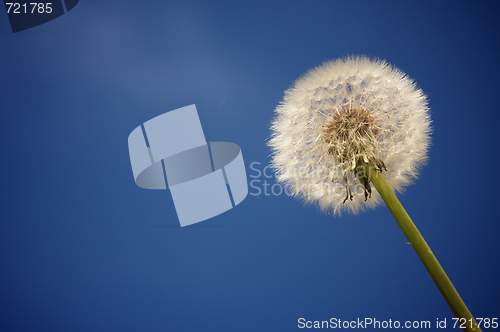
point(423, 251)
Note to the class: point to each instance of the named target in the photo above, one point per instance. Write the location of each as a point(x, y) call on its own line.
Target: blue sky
point(82, 248)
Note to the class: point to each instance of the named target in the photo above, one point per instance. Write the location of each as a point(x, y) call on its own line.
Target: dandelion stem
point(423, 251)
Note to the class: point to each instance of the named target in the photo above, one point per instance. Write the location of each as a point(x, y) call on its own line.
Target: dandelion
point(339, 127)
point(342, 114)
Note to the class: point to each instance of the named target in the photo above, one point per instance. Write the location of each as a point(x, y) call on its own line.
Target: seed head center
point(350, 132)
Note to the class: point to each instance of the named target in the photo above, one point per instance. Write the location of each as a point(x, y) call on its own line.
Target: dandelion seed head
point(342, 112)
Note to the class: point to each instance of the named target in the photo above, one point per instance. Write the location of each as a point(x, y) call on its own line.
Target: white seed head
point(343, 112)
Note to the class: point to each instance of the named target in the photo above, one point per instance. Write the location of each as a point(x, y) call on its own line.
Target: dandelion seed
point(343, 113)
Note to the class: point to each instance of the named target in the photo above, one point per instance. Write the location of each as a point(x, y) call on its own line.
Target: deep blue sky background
point(82, 248)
